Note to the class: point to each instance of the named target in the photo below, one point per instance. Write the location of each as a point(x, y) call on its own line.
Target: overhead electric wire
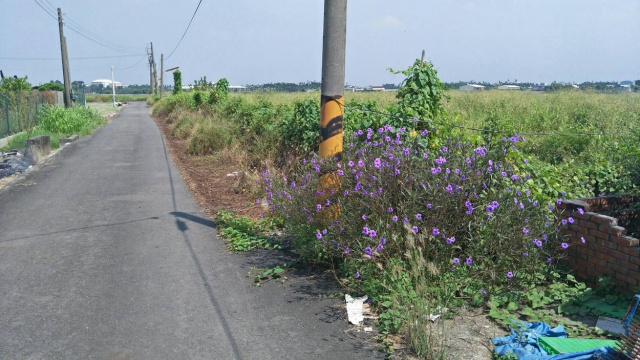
point(129, 67)
point(75, 27)
point(73, 58)
point(71, 23)
point(185, 31)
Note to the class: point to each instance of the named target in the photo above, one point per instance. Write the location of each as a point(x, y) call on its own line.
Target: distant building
point(375, 88)
point(105, 83)
point(508, 87)
point(471, 87)
point(236, 88)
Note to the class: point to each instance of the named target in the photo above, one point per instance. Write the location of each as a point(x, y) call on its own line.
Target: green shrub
point(300, 129)
point(75, 120)
point(210, 137)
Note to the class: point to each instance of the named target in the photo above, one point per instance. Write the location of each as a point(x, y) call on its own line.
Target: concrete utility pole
point(154, 74)
point(113, 88)
point(65, 63)
point(150, 72)
point(161, 75)
point(332, 94)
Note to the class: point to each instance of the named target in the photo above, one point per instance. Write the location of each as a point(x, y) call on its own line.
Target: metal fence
point(19, 110)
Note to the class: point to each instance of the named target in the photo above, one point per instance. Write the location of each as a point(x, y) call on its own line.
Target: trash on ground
point(610, 324)
point(354, 308)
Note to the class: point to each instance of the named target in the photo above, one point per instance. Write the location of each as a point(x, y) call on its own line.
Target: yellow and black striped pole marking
point(331, 121)
point(331, 139)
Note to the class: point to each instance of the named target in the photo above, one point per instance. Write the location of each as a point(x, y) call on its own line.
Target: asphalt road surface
point(104, 255)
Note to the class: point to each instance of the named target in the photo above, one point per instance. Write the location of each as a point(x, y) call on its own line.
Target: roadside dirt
point(207, 179)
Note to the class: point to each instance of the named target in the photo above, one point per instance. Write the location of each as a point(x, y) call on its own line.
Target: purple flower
point(405, 220)
point(347, 250)
point(318, 235)
point(377, 163)
point(324, 232)
point(383, 240)
point(340, 173)
point(570, 220)
point(368, 251)
point(469, 261)
point(372, 233)
point(582, 239)
point(441, 160)
point(350, 163)
point(365, 230)
point(525, 254)
point(451, 240)
point(564, 221)
point(360, 163)
point(525, 230)
point(357, 274)
point(428, 206)
point(580, 211)
point(509, 274)
point(415, 229)
point(419, 216)
point(435, 232)
point(537, 242)
point(390, 209)
point(364, 217)
point(394, 218)
point(559, 201)
point(318, 207)
point(257, 202)
point(564, 245)
point(456, 261)
point(380, 247)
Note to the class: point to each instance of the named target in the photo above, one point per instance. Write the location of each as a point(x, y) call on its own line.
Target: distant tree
point(51, 86)
point(11, 84)
point(391, 86)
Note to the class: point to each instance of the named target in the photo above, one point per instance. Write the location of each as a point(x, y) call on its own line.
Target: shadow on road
point(182, 226)
point(80, 228)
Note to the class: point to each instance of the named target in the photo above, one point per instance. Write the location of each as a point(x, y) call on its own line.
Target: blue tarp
point(523, 342)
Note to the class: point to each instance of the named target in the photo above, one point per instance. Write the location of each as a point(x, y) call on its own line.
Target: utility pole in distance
point(161, 75)
point(332, 94)
point(65, 63)
point(154, 75)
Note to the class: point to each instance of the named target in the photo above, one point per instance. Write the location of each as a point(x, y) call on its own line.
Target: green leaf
point(512, 306)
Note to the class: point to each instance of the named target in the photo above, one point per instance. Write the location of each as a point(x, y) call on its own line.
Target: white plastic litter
point(433, 317)
point(368, 329)
point(610, 324)
point(354, 308)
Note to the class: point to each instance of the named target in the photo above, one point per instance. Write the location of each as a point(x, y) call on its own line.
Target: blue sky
point(257, 41)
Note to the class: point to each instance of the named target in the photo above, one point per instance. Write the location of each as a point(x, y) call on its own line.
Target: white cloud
point(389, 22)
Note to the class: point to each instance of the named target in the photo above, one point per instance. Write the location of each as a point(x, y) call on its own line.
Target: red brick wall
point(607, 250)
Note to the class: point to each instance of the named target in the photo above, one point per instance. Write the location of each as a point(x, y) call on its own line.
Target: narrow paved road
point(104, 255)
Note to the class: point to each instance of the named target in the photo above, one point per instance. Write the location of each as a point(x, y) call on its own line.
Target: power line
point(75, 24)
point(185, 31)
point(129, 67)
point(73, 58)
point(75, 27)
